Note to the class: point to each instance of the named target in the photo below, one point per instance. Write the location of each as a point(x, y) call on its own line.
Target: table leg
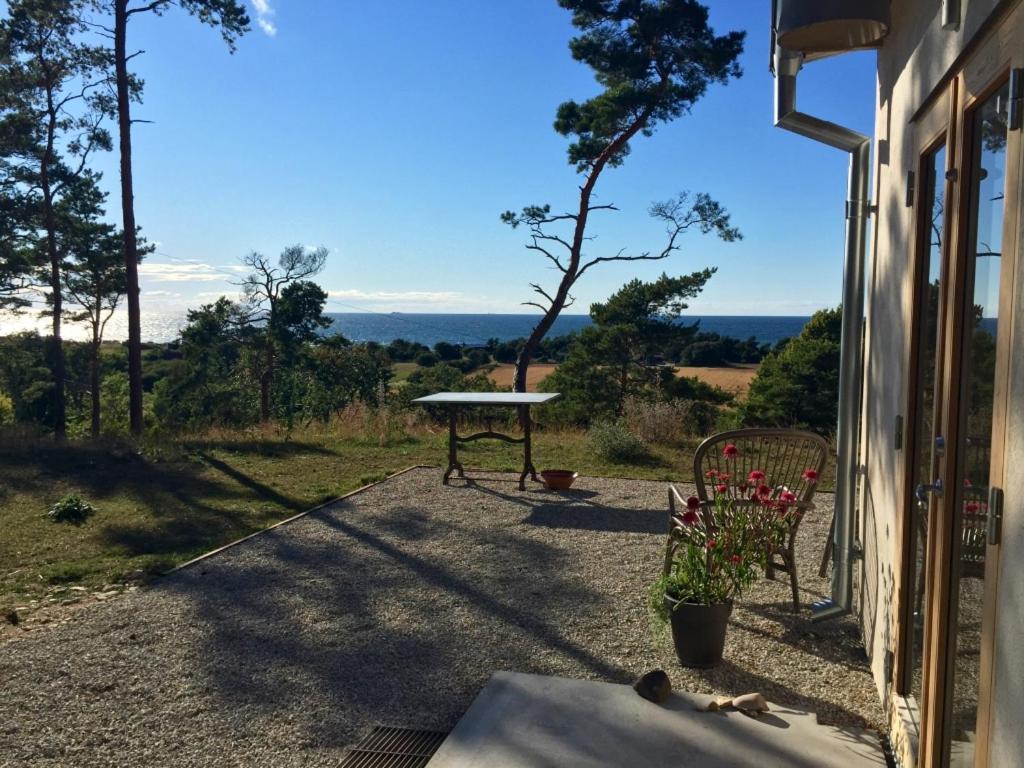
point(453, 455)
point(528, 468)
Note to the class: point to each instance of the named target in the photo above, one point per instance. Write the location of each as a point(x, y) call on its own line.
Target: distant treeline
point(703, 349)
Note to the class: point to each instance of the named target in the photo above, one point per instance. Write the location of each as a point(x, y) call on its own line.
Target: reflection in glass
point(981, 324)
point(933, 200)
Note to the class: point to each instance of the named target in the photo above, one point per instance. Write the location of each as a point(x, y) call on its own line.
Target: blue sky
point(394, 133)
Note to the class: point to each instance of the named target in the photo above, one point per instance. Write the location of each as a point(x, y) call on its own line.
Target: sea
point(470, 329)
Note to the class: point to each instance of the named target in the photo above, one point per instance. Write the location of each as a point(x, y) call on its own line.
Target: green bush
point(611, 441)
point(798, 385)
point(71, 509)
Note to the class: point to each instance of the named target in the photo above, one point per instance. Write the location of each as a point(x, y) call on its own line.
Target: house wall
point(913, 61)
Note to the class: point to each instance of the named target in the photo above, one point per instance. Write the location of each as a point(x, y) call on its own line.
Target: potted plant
point(715, 551)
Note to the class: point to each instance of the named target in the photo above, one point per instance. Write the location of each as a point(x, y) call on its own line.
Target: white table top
point(488, 398)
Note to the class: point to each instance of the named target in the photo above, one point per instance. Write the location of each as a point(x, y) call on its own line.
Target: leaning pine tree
point(655, 59)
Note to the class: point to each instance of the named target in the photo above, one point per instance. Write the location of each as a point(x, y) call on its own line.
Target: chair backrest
point(783, 455)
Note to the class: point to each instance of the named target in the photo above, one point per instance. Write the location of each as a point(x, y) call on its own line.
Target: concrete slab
point(534, 721)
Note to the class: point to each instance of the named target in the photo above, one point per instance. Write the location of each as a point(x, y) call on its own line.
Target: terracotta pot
point(559, 479)
point(698, 631)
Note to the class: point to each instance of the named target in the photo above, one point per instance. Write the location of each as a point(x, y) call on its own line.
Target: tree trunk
point(266, 381)
point(131, 249)
point(525, 356)
point(94, 382)
point(57, 344)
point(53, 255)
point(265, 397)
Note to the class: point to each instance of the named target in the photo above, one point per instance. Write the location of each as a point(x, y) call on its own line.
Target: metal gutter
point(787, 65)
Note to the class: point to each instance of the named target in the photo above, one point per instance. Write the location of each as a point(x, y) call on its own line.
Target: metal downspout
point(787, 65)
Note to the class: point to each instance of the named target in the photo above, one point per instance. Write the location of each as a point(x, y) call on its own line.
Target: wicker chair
point(783, 455)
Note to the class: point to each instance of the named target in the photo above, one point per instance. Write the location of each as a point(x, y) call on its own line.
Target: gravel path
point(393, 607)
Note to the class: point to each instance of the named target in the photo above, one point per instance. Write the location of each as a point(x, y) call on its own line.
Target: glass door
point(922, 447)
point(966, 204)
point(985, 137)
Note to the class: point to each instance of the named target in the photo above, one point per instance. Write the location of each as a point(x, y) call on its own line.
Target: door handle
point(994, 524)
point(922, 491)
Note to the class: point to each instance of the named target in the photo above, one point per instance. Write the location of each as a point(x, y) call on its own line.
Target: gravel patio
point(394, 606)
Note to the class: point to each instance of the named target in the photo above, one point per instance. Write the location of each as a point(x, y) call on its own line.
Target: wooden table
point(521, 401)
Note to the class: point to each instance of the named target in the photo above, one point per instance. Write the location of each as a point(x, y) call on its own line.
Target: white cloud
point(264, 12)
point(182, 271)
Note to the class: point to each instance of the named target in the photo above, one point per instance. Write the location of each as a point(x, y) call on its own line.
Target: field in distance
point(734, 379)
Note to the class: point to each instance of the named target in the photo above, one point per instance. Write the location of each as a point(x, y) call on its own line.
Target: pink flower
point(711, 474)
point(787, 497)
point(711, 544)
point(757, 474)
point(764, 490)
point(693, 503)
point(723, 476)
point(722, 488)
point(730, 451)
point(743, 487)
point(811, 476)
point(690, 517)
point(736, 559)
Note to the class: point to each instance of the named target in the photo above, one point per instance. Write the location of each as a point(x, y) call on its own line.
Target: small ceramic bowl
point(559, 479)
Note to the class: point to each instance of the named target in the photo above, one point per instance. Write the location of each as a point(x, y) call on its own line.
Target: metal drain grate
point(394, 748)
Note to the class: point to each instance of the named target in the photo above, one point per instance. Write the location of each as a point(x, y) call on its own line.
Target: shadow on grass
point(183, 521)
point(259, 447)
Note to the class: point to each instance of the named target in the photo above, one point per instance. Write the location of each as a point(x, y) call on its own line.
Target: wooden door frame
point(934, 128)
point(982, 75)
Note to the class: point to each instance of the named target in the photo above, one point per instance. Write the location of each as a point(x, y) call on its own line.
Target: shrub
point(798, 385)
point(426, 359)
point(447, 351)
point(669, 421)
point(611, 441)
point(71, 509)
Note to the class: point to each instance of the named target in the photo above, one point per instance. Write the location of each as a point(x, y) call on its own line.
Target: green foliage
point(6, 409)
point(335, 374)
point(475, 358)
point(712, 349)
point(426, 359)
point(447, 352)
point(403, 351)
point(654, 58)
point(71, 509)
point(620, 355)
point(798, 385)
point(612, 441)
point(114, 403)
point(719, 551)
point(440, 378)
point(211, 385)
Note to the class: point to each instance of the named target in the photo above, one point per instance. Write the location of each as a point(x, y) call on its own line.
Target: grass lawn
point(174, 500)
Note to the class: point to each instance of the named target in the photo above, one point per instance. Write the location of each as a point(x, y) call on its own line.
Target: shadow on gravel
point(597, 518)
point(384, 616)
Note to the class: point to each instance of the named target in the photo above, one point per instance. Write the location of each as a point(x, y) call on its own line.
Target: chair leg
point(791, 566)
